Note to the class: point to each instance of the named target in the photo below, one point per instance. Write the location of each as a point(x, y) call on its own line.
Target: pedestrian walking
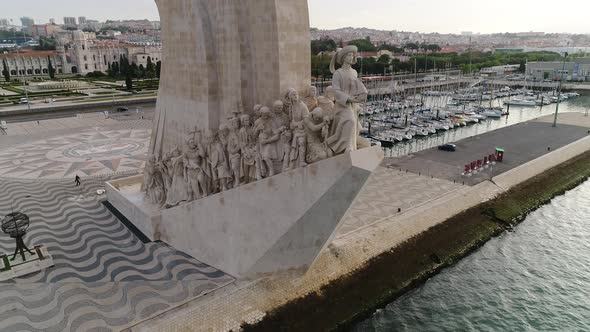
point(77, 180)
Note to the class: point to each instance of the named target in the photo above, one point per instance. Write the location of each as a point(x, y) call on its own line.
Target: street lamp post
point(24, 67)
point(559, 91)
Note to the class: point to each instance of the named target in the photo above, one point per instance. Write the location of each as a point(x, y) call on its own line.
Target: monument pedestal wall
point(126, 196)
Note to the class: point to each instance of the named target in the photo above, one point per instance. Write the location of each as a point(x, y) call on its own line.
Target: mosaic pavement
point(104, 278)
point(91, 152)
point(389, 190)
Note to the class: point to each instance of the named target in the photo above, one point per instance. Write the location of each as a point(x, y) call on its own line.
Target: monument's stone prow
point(263, 229)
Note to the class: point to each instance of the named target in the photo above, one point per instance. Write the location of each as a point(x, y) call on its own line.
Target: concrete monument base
point(278, 223)
point(39, 261)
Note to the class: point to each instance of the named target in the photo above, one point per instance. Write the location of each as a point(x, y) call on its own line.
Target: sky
point(450, 16)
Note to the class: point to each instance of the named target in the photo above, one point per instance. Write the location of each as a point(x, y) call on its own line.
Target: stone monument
point(248, 192)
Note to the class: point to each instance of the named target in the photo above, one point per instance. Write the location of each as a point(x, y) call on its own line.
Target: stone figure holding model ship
point(349, 93)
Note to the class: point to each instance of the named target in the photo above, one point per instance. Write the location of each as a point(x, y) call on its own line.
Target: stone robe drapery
point(179, 189)
point(342, 130)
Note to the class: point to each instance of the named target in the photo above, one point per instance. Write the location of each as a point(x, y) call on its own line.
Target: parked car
point(122, 109)
point(22, 101)
point(49, 100)
point(448, 147)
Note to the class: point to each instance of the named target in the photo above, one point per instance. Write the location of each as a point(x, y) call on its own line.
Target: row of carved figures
point(250, 147)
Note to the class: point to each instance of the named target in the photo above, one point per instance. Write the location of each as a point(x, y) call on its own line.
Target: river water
point(518, 114)
point(536, 278)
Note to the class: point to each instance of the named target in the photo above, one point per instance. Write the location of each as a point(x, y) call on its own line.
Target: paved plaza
point(104, 277)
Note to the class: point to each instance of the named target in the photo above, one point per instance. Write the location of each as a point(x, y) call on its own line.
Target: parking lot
point(523, 142)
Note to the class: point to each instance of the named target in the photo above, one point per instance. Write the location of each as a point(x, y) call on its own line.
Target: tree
point(5, 71)
point(128, 82)
point(158, 68)
point(50, 69)
point(141, 71)
point(322, 45)
point(385, 58)
point(150, 69)
point(114, 70)
point(363, 45)
point(133, 70)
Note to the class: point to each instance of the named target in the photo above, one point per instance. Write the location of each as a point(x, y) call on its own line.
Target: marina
point(406, 125)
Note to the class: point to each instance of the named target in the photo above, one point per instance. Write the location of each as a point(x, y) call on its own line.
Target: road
point(147, 108)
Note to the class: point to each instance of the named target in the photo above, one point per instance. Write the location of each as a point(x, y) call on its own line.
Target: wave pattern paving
point(104, 278)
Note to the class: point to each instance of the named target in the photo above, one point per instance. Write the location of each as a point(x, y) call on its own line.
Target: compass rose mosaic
point(87, 153)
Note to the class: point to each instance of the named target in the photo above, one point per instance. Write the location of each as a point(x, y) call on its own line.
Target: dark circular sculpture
point(15, 225)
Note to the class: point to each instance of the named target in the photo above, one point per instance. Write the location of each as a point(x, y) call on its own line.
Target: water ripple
point(534, 279)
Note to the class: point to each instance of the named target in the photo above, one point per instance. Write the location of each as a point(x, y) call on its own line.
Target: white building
point(81, 54)
point(576, 70)
point(499, 71)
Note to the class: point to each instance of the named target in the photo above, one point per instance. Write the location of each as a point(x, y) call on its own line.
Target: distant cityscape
point(138, 32)
point(84, 46)
point(457, 43)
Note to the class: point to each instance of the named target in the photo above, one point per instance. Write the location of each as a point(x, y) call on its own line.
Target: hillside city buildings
point(82, 45)
point(78, 52)
point(522, 41)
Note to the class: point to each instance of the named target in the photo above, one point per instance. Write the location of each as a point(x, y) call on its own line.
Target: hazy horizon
point(427, 16)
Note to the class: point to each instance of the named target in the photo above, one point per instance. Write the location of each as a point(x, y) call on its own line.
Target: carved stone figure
point(223, 134)
point(285, 148)
point(248, 147)
point(297, 112)
point(153, 183)
point(256, 113)
point(326, 102)
point(280, 118)
point(316, 127)
point(266, 148)
point(311, 100)
point(350, 93)
point(196, 171)
point(217, 161)
point(179, 189)
point(235, 151)
point(165, 168)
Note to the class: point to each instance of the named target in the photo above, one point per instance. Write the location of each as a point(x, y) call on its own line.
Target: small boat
point(521, 102)
point(491, 113)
